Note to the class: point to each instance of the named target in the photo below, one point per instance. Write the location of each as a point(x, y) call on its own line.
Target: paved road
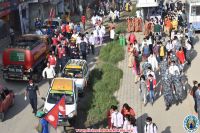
point(168, 121)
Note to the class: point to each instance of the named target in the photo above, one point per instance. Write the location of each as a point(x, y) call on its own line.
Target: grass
point(104, 81)
point(103, 90)
point(112, 53)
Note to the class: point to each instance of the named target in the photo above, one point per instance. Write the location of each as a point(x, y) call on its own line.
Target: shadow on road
point(167, 130)
point(141, 122)
point(18, 106)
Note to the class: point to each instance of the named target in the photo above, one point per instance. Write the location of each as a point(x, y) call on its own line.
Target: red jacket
point(83, 19)
point(132, 38)
point(181, 56)
point(52, 60)
point(148, 84)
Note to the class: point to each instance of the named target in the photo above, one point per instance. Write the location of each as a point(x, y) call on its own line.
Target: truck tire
point(2, 116)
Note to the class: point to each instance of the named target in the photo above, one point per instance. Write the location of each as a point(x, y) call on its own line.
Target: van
point(60, 87)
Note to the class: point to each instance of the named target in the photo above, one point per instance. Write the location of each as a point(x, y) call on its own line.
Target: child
point(112, 34)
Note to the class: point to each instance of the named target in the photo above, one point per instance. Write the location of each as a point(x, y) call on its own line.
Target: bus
point(193, 10)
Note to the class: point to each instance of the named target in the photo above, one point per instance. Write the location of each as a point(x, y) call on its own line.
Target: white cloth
point(173, 69)
point(154, 63)
point(187, 45)
point(128, 126)
point(112, 34)
point(169, 46)
point(138, 13)
point(78, 40)
point(92, 40)
point(95, 33)
point(150, 128)
point(50, 73)
point(117, 119)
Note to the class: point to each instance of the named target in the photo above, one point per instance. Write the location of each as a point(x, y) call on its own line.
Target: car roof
point(75, 64)
point(62, 84)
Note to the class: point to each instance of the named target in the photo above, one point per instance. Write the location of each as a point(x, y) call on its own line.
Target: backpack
point(154, 125)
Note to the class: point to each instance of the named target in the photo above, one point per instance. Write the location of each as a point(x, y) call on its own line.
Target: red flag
point(61, 106)
point(52, 116)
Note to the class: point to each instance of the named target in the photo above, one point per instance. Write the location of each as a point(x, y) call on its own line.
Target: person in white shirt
point(144, 42)
point(153, 61)
point(101, 35)
point(93, 19)
point(116, 118)
point(117, 15)
point(92, 42)
point(173, 68)
point(169, 46)
point(150, 127)
point(112, 34)
point(138, 13)
point(48, 73)
point(130, 124)
point(78, 39)
point(188, 47)
point(96, 36)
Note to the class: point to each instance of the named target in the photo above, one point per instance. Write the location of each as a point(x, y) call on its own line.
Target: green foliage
point(112, 53)
point(121, 28)
point(104, 89)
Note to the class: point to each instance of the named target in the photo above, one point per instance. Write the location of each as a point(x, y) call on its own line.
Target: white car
point(77, 69)
point(60, 87)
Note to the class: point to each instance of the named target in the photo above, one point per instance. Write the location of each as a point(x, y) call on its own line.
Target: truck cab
point(60, 87)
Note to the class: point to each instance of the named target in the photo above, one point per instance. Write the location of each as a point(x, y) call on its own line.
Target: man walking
point(116, 118)
point(31, 91)
point(150, 127)
point(83, 48)
point(151, 85)
point(48, 73)
point(197, 94)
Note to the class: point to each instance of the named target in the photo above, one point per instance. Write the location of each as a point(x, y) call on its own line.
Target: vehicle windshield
point(55, 97)
point(73, 73)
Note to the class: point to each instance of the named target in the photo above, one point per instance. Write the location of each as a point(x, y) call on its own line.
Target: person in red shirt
point(110, 111)
point(83, 20)
point(54, 43)
point(181, 56)
point(68, 30)
point(151, 85)
point(132, 38)
point(127, 110)
point(52, 60)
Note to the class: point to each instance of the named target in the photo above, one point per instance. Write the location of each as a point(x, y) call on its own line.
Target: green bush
point(112, 53)
point(121, 28)
point(104, 89)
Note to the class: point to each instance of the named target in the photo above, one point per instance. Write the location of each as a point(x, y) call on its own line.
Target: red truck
point(26, 59)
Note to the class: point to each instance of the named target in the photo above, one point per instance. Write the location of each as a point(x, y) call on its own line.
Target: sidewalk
point(167, 121)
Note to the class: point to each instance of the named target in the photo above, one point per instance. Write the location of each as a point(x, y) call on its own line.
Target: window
point(73, 73)
point(195, 10)
point(55, 97)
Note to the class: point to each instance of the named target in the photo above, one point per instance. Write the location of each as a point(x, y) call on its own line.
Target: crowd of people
point(126, 120)
point(161, 56)
point(157, 62)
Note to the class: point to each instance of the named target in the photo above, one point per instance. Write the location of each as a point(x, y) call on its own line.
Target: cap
point(30, 81)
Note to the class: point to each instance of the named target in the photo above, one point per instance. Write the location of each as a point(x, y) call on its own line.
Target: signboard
point(17, 56)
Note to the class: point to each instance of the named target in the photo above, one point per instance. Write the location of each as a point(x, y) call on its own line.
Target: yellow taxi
point(60, 87)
